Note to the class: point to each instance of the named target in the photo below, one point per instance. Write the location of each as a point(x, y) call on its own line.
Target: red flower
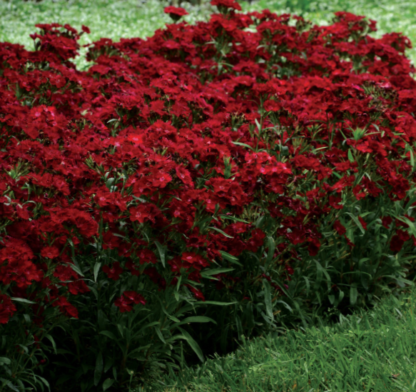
point(386, 221)
point(65, 307)
point(194, 260)
point(232, 4)
point(7, 308)
point(128, 299)
point(289, 269)
point(50, 252)
point(198, 294)
point(341, 230)
point(114, 272)
point(136, 139)
point(78, 287)
point(398, 241)
point(176, 11)
point(363, 222)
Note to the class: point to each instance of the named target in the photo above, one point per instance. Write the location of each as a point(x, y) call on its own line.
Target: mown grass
point(367, 351)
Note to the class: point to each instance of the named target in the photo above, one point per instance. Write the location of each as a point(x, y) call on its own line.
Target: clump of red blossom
point(175, 12)
point(129, 298)
point(163, 142)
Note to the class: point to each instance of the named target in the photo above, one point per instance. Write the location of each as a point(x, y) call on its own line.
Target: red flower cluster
point(7, 308)
point(228, 4)
point(175, 12)
point(175, 134)
point(179, 11)
point(127, 300)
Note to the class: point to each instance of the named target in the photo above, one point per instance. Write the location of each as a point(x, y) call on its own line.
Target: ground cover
point(352, 292)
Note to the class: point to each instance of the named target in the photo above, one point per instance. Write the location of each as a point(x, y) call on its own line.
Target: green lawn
point(367, 351)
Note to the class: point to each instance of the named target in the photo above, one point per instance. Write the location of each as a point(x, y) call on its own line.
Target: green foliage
point(105, 348)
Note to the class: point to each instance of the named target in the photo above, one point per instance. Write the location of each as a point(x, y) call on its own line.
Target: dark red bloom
point(65, 307)
point(175, 13)
point(232, 4)
point(128, 299)
point(341, 230)
point(7, 308)
point(114, 271)
point(179, 11)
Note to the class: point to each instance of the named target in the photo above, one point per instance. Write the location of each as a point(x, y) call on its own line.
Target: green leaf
point(159, 333)
point(243, 145)
point(176, 294)
point(22, 300)
point(230, 258)
point(233, 218)
point(400, 280)
point(98, 368)
point(102, 319)
point(220, 231)
point(272, 246)
point(286, 305)
point(173, 318)
point(268, 298)
point(412, 160)
point(411, 225)
point(108, 334)
point(153, 323)
point(162, 251)
point(214, 303)
point(323, 270)
point(208, 274)
point(120, 329)
point(198, 319)
point(357, 222)
point(227, 170)
point(178, 284)
point(341, 296)
point(50, 338)
point(4, 360)
point(193, 344)
point(353, 295)
point(44, 381)
point(259, 221)
point(96, 270)
point(350, 157)
point(201, 223)
point(108, 383)
point(308, 285)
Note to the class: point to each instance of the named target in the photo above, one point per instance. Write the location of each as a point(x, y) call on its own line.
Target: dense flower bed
point(240, 153)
